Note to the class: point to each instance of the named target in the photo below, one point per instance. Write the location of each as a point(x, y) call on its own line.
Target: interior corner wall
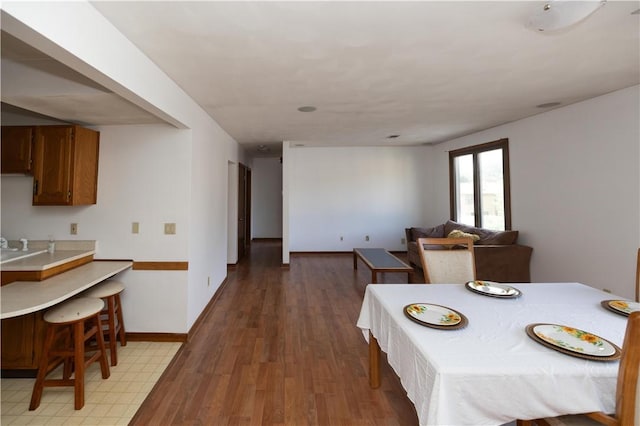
point(340, 196)
point(574, 189)
point(200, 190)
point(266, 198)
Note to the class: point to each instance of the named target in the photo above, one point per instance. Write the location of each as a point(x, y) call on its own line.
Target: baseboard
point(329, 253)
point(157, 337)
point(267, 240)
point(318, 253)
point(206, 309)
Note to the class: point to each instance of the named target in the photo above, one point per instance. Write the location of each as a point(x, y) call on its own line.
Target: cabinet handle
point(68, 195)
point(35, 187)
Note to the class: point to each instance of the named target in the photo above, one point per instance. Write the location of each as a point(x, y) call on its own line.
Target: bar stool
point(109, 291)
point(74, 323)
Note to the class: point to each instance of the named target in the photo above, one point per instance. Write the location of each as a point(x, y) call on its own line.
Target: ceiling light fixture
point(559, 14)
point(307, 109)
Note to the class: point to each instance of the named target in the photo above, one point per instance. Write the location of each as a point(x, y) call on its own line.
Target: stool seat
point(104, 289)
point(74, 310)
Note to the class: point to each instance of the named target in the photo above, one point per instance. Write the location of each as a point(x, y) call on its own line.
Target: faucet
point(4, 243)
point(24, 244)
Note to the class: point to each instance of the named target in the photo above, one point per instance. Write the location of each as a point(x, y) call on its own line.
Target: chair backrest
point(627, 393)
point(443, 262)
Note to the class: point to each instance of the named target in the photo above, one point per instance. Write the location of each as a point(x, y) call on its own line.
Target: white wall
point(266, 198)
point(149, 174)
point(574, 189)
point(354, 192)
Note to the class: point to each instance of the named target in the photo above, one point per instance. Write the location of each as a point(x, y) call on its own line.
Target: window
point(479, 185)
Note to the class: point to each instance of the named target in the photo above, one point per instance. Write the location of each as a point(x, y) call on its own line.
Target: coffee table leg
point(355, 260)
point(374, 362)
point(374, 277)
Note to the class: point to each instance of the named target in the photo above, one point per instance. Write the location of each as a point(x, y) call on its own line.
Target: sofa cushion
point(487, 236)
point(435, 232)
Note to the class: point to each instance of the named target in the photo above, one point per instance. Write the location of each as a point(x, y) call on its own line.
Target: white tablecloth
point(491, 372)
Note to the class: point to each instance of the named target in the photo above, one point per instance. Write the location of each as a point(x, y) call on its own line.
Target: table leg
point(355, 260)
point(374, 362)
point(374, 277)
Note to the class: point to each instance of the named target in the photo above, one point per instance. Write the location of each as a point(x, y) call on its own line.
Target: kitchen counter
point(46, 260)
point(24, 297)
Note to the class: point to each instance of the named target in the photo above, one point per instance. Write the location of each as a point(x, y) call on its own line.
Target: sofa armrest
point(503, 263)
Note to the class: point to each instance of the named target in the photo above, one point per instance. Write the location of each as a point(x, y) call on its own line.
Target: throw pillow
point(456, 233)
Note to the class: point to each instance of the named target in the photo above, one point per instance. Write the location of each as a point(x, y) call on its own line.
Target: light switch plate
point(135, 227)
point(73, 230)
point(169, 228)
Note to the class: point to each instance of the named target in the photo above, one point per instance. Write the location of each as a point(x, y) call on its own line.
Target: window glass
point(465, 212)
point(479, 185)
point(491, 189)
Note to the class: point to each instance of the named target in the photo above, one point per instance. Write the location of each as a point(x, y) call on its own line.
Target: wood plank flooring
point(280, 347)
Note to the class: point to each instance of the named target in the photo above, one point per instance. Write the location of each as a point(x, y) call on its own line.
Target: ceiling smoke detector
point(555, 15)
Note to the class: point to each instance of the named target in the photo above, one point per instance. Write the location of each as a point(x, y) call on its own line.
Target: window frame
point(475, 150)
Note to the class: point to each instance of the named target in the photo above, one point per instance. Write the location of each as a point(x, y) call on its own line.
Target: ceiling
point(425, 71)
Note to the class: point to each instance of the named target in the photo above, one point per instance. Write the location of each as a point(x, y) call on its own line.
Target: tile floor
point(111, 402)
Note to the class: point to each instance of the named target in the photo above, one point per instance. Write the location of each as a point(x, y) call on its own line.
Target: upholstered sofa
point(498, 257)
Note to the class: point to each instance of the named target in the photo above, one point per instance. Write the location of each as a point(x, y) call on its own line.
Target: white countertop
point(24, 297)
point(46, 260)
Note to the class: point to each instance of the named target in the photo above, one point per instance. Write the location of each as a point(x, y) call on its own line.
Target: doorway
point(244, 210)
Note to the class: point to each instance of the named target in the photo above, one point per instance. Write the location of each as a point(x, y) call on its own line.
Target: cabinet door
point(18, 342)
point(52, 165)
point(84, 169)
point(17, 142)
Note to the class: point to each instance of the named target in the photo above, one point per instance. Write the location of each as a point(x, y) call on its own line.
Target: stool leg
point(78, 382)
point(38, 386)
point(111, 319)
point(104, 365)
point(68, 361)
point(121, 333)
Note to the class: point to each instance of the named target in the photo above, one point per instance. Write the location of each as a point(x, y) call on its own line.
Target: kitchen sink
point(10, 254)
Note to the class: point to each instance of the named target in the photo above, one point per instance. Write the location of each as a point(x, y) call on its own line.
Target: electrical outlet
point(135, 228)
point(169, 228)
point(366, 238)
point(74, 229)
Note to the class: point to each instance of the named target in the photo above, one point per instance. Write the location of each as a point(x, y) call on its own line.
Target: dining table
point(488, 369)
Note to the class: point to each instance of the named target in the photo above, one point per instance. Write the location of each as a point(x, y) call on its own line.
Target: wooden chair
point(447, 263)
point(627, 392)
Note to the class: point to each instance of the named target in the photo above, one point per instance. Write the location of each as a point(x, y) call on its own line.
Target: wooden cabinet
point(65, 165)
point(22, 340)
point(17, 146)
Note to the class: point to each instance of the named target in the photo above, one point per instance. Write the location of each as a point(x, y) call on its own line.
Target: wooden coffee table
point(380, 260)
